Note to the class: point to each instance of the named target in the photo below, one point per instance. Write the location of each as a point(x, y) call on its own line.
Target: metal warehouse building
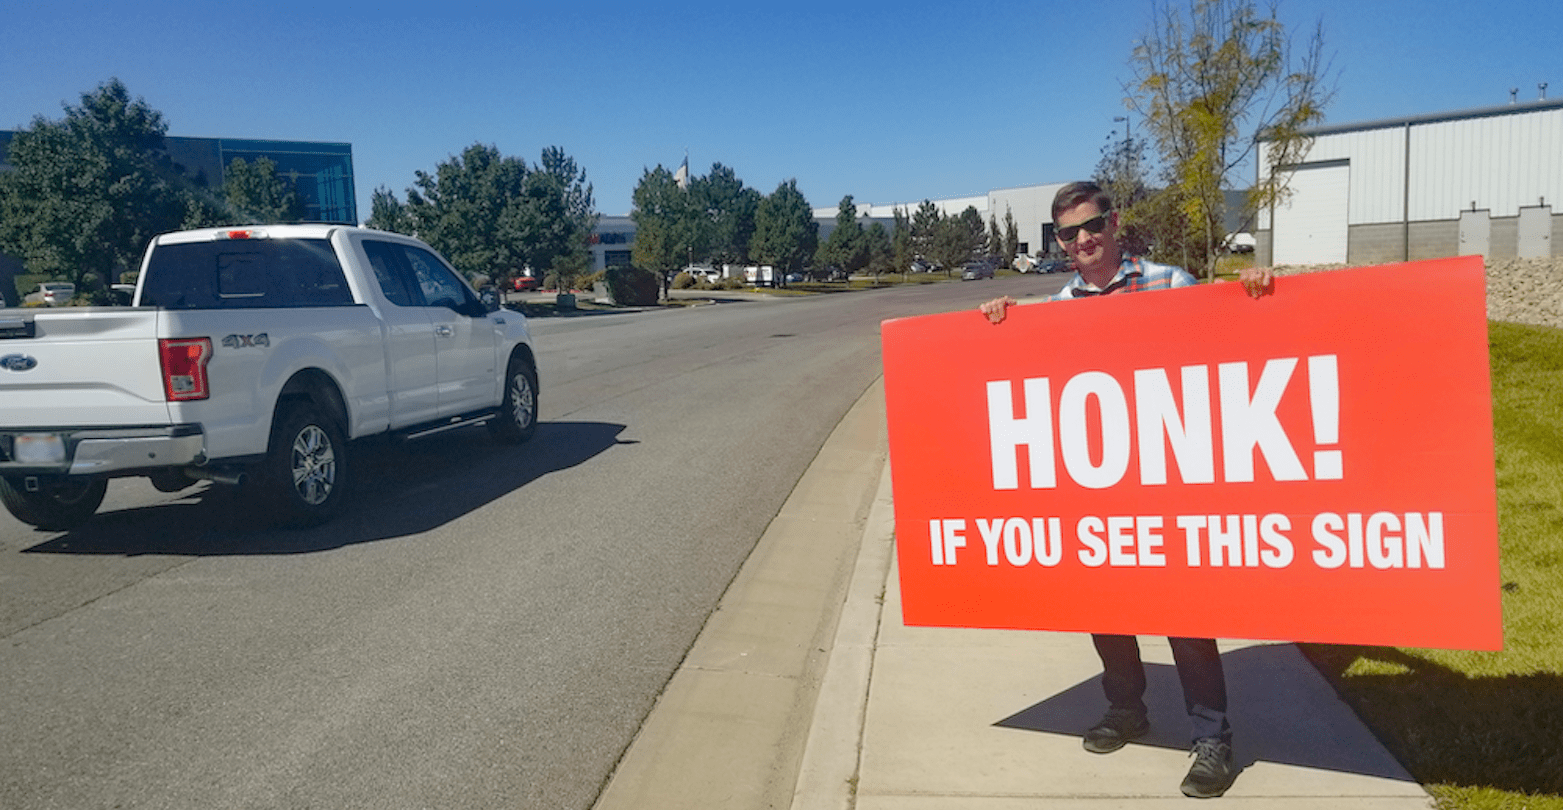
point(1482, 181)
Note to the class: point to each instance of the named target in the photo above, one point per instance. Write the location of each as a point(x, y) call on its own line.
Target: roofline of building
point(1513, 108)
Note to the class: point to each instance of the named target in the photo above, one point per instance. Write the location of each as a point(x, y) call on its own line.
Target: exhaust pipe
point(232, 478)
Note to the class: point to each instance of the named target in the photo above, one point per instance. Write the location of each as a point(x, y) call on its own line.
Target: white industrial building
point(1481, 181)
point(1031, 206)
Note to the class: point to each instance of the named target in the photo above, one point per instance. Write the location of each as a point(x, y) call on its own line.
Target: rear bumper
point(110, 450)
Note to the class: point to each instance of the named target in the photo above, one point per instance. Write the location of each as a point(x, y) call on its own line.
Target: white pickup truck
point(253, 356)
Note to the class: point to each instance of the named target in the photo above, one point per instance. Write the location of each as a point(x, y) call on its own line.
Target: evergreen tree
point(669, 230)
point(728, 207)
point(88, 192)
point(846, 248)
point(785, 233)
point(881, 253)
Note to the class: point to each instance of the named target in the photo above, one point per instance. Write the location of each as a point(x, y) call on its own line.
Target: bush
point(683, 281)
point(632, 286)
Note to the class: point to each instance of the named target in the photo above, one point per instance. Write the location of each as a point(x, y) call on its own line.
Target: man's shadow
point(1314, 730)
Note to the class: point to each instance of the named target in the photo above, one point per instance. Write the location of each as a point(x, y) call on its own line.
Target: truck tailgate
point(79, 367)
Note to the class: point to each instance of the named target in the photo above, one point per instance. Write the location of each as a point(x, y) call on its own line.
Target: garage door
point(1311, 227)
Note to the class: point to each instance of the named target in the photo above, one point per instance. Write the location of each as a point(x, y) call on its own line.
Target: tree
point(846, 248)
point(460, 210)
point(493, 215)
point(88, 192)
point(669, 231)
point(558, 218)
point(924, 228)
point(389, 214)
point(959, 239)
point(785, 233)
point(1211, 84)
point(881, 253)
point(728, 207)
point(901, 249)
point(256, 194)
point(1011, 237)
point(1142, 223)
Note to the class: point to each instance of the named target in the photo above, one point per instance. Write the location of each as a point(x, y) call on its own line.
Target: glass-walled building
point(321, 173)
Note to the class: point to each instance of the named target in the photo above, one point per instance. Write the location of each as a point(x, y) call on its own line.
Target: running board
point(467, 420)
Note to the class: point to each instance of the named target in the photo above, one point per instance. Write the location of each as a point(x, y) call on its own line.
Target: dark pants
point(1199, 670)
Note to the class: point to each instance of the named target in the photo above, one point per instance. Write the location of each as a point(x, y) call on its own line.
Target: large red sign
point(1314, 465)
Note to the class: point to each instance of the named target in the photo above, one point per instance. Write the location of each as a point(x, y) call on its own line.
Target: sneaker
point(1115, 730)
point(1212, 772)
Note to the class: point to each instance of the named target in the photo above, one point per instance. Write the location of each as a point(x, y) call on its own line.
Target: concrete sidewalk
point(806, 687)
point(915, 718)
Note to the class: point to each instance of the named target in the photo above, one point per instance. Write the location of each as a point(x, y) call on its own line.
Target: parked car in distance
point(1240, 242)
point(977, 268)
point(525, 283)
point(709, 275)
point(52, 294)
point(1053, 266)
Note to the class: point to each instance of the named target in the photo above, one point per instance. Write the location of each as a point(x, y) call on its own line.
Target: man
point(1087, 230)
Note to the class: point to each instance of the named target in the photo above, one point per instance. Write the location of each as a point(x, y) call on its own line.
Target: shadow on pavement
point(1280, 708)
point(400, 490)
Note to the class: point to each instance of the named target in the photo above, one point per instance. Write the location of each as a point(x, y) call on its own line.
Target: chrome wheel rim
point(523, 403)
point(314, 465)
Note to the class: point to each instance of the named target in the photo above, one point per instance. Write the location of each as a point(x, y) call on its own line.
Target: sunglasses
point(1095, 224)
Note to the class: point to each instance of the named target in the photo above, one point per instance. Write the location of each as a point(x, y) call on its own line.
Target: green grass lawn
point(1484, 730)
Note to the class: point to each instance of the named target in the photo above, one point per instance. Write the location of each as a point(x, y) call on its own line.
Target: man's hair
point(1082, 192)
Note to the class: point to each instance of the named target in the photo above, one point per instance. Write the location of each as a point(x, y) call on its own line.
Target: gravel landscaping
point(1518, 290)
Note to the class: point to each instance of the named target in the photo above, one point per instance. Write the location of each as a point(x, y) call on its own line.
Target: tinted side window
point(440, 286)
point(245, 274)
point(390, 269)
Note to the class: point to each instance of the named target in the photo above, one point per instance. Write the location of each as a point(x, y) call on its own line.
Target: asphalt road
point(486, 626)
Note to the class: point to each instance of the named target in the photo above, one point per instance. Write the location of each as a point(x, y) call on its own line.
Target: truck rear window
point(245, 274)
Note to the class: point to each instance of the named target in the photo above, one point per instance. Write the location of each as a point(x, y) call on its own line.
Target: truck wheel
point(306, 471)
point(58, 505)
point(517, 419)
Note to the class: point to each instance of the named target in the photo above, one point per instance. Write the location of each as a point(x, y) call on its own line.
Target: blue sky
point(885, 101)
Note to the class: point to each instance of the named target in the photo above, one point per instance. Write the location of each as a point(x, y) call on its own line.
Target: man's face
point(1090, 251)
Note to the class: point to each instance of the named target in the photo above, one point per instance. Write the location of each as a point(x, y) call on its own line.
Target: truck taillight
point(184, 367)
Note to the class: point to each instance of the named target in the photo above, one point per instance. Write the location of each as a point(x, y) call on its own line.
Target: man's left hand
point(1258, 281)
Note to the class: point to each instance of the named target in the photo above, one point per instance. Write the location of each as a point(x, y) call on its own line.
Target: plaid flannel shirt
point(1134, 275)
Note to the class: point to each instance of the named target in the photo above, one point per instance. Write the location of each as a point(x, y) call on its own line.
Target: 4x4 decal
point(246, 341)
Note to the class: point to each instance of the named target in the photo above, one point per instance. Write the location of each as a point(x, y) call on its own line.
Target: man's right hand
point(994, 310)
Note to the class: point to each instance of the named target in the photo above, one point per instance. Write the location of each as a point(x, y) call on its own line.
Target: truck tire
point(306, 471)
point(517, 419)
point(58, 505)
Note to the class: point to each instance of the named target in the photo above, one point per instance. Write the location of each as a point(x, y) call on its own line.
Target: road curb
point(730, 728)
point(827, 778)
